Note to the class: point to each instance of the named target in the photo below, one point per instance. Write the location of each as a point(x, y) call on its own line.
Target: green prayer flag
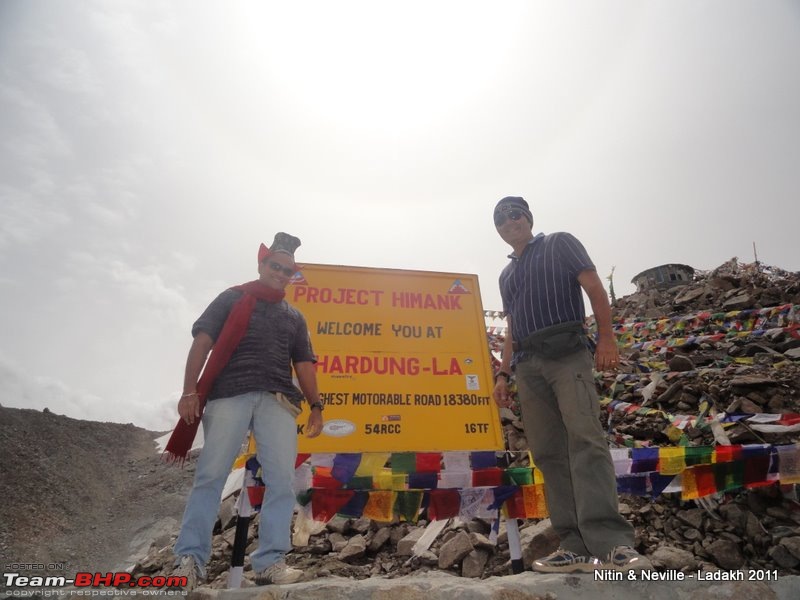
point(729, 475)
point(404, 462)
point(407, 504)
point(359, 483)
point(518, 476)
point(698, 455)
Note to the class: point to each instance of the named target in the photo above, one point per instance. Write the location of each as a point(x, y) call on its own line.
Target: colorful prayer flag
point(671, 461)
point(535, 502)
point(789, 463)
point(372, 463)
point(429, 462)
point(644, 460)
point(326, 503)
point(407, 504)
point(380, 506)
point(417, 481)
point(487, 477)
point(404, 462)
point(344, 466)
point(443, 504)
point(483, 460)
point(354, 508)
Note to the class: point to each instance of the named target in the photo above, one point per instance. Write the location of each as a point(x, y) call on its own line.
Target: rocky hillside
point(82, 494)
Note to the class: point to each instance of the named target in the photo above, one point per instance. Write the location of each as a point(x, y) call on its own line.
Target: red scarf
point(180, 442)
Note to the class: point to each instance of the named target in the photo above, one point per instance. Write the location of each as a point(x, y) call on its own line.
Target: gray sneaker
point(187, 567)
point(564, 561)
point(280, 574)
point(625, 558)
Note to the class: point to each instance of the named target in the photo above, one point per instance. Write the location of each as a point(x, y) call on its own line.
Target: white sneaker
point(625, 558)
point(187, 568)
point(280, 574)
point(564, 561)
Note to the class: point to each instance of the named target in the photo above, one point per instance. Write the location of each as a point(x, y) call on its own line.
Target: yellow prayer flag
point(671, 461)
point(689, 481)
point(372, 463)
point(382, 480)
point(674, 434)
point(241, 460)
point(538, 476)
point(399, 481)
point(379, 505)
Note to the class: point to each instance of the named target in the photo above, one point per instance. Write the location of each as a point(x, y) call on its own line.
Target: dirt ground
point(83, 495)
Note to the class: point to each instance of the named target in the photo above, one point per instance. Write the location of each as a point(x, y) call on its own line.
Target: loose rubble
point(758, 528)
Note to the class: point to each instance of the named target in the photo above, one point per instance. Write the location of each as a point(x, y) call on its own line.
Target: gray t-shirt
point(276, 337)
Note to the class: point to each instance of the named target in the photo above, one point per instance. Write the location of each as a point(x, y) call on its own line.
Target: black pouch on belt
point(555, 341)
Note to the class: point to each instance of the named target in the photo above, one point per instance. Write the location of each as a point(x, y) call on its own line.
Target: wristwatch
point(318, 405)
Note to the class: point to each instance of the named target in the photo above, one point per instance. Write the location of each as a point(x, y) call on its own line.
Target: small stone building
point(663, 276)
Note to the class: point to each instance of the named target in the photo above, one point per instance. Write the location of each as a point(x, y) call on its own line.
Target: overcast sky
point(147, 148)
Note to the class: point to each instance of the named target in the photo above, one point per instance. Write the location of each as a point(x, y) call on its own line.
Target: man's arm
point(500, 393)
point(606, 355)
point(307, 378)
point(189, 404)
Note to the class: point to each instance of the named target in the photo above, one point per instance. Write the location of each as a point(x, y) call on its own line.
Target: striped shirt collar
point(538, 236)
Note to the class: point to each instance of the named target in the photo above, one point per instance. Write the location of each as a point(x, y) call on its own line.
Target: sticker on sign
point(338, 428)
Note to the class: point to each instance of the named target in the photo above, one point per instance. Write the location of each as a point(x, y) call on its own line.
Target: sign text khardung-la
point(385, 365)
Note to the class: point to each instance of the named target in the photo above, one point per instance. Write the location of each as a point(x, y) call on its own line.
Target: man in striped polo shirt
point(546, 348)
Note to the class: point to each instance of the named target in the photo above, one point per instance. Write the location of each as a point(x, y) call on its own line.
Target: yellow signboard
point(403, 362)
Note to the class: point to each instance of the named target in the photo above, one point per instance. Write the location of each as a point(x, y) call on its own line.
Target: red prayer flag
point(443, 504)
point(255, 495)
point(706, 481)
point(429, 462)
point(728, 453)
point(515, 506)
point(756, 469)
point(300, 459)
point(322, 478)
point(487, 477)
point(326, 503)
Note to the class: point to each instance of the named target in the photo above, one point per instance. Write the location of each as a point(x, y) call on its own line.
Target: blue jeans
point(225, 424)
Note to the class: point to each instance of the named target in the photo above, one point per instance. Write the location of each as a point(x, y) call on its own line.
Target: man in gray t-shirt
point(257, 339)
point(276, 338)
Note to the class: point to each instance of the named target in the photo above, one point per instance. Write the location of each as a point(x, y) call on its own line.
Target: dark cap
point(514, 203)
point(283, 243)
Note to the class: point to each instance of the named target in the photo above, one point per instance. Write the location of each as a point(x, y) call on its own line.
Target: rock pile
point(712, 369)
point(756, 529)
point(726, 343)
point(731, 286)
point(361, 548)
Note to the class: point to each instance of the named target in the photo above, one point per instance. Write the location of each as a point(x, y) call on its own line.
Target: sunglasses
point(288, 271)
point(500, 217)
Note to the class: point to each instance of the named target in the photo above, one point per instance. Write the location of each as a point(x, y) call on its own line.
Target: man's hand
point(189, 408)
point(314, 426)
point(501, 395)
point(606, 355)
point(189, 404)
